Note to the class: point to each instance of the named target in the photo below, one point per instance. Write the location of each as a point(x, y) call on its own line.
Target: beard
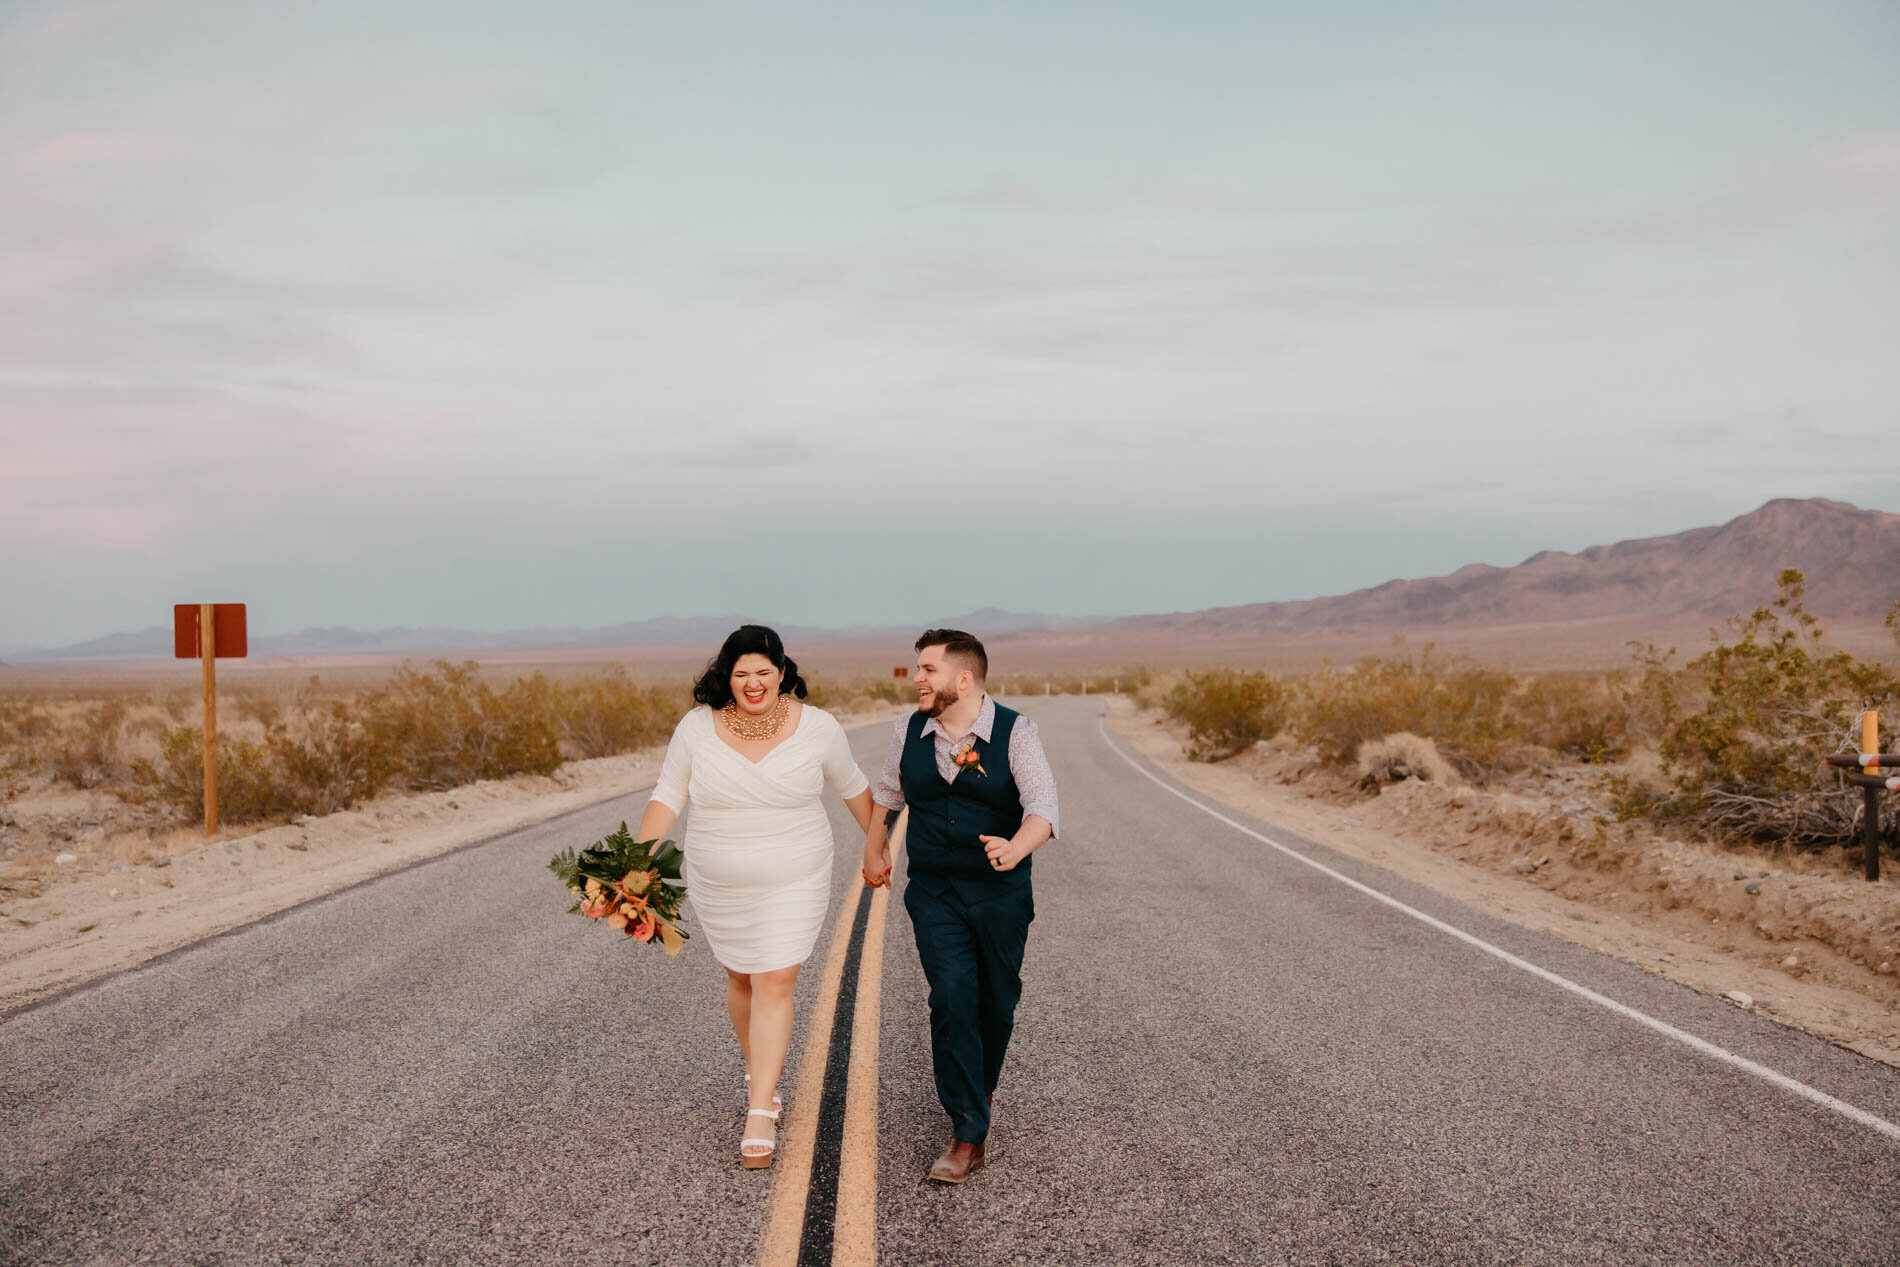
point(942, 700)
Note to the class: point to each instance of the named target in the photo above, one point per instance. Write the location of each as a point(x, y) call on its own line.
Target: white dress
point(758, 845)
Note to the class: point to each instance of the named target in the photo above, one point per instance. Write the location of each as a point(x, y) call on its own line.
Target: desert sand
point(98, 915)
point(1787, 950)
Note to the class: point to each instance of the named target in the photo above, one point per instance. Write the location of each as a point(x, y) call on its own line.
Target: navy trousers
point(972, 952)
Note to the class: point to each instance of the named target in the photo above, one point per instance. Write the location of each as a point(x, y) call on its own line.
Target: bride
point(753, 760)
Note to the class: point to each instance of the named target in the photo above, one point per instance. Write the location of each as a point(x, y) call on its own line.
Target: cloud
point(87, 148)
point(1214, 308)
point(1143, 199)
point(69, 20)
point(752, 449)
point(1852, 174)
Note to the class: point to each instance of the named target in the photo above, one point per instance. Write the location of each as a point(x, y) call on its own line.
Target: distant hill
point(144, 644)
point(1851, 557)
point(994, 620)
point(155, 641)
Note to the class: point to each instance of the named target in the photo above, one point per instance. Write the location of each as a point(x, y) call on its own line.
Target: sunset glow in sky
point(498, 315)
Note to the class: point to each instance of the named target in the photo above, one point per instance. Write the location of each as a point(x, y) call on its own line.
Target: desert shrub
point(607, 712)
point(24, 727)
point(1588, 717)
point(1463, 707)
point(262, 707)
point(15, 777)
point(1154, 692)
point(247, 786)
point(850, 696)
point(450, 727)
point(86, 752)
point(1132, 679)
point(890, 691)
point(17, 765)
point(1771, 701)
point(1402, 756)
point(1652, 696)
point(329, 754)
point(1227, 711)
point(1632, 797)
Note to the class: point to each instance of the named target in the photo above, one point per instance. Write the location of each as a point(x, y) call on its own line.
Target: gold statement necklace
point(746, 726)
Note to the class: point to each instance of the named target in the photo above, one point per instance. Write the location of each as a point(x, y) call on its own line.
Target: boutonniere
point(966, 759)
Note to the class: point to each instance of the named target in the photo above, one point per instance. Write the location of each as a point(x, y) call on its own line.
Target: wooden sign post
point(205, 631)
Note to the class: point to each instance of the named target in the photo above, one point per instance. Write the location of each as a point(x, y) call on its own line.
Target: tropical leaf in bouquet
point(666, 859)
point(633, 884)
point(565, 865)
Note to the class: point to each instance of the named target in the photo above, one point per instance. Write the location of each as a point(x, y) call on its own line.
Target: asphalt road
point(1222, 1055)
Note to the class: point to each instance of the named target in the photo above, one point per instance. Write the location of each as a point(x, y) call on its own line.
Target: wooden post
point(208, 649)
point(1870, 796)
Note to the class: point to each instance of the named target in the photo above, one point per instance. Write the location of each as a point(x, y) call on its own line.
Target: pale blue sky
point(494, 315)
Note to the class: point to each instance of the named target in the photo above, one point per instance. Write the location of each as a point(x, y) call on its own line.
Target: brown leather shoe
point(958, 1160)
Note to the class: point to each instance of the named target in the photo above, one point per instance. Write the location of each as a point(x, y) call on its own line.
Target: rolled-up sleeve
point(889, 791)
point(676, 772)
point(1029, 764)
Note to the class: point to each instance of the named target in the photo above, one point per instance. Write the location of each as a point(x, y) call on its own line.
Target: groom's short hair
point(961, 649)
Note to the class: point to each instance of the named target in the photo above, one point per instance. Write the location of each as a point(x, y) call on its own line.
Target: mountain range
point(1850, 556)
point(155, 641)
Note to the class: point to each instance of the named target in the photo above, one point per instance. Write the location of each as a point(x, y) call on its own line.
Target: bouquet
point(632, 884)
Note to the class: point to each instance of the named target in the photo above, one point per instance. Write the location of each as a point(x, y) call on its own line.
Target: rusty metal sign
point(227, 631)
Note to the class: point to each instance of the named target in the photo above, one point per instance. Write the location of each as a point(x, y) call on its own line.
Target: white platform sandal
point(776, 1102)
point(758, 1161)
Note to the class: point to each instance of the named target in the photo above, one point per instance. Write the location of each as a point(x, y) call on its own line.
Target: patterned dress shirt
point(1028, 764)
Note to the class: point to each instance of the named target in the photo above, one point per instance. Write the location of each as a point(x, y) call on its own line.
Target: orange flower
point(617, 920)
point(643, 931)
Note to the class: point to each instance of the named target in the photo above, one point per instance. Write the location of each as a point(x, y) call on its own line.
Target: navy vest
point(946, 819)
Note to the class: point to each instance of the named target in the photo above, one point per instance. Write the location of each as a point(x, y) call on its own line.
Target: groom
point(982, 799)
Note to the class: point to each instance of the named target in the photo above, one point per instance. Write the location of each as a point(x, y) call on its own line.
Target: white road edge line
point(1703, 1045)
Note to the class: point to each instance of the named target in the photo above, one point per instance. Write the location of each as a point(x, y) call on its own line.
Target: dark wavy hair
point(715, 684)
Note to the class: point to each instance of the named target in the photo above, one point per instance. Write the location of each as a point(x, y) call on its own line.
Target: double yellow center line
point(823, 1208)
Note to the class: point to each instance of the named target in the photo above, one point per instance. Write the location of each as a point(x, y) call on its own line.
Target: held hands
point(1004, 853)
point(877, 865)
